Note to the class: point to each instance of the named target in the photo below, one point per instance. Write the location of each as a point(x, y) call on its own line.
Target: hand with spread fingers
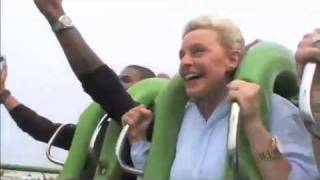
point(308, 50)
point(139, 119)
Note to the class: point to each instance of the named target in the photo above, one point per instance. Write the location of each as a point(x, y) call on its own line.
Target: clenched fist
point(139, 119)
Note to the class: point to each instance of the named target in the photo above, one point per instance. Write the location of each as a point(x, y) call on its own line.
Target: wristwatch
point(4, 95)
point(64, 22)
point(272, 153)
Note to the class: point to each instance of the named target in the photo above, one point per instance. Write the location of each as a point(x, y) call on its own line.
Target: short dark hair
point(144, 72)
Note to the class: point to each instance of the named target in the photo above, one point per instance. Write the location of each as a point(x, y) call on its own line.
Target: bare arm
point(80, 56)
point(11, 102)
point(97, 79)
point(278, 167)
point(260, 140)
point(39, 127)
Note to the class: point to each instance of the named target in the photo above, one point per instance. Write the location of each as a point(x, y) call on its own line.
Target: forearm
point(80, 56)
point(260, 140)
point(40, 128)
point(105, 88)
point(11, 102)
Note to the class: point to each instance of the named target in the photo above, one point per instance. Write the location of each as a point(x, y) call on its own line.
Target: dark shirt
point(105, 88)
point(102, 85)
point(41, 128)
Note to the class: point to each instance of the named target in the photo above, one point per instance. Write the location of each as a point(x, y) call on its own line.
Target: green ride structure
point(268, 64)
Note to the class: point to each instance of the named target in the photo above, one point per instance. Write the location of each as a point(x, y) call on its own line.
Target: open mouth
point(192, 76)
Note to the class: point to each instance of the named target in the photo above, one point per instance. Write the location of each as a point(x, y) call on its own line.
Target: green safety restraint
point(268, 64)
point(108, 167)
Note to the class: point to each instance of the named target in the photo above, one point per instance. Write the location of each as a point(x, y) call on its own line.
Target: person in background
point(309, 51)
point(41, 128)
point(163, 75)
point(210, 53)
point(95, 76)
point(98, 80)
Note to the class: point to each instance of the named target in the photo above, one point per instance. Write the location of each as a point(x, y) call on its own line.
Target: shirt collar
point(222, 110)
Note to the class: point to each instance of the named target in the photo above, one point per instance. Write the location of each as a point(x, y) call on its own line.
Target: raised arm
point(39, 127)
point(6, 98)
point(97, 79)
point(81, 58)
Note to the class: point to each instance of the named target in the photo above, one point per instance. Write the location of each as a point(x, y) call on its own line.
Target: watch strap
point(63, 22)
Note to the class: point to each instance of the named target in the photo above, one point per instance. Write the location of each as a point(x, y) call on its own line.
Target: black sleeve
point(40, 128)
point(104, 87)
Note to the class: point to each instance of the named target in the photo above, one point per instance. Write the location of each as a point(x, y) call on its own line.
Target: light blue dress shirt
point(201, 146)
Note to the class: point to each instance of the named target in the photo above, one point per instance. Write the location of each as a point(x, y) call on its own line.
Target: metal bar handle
point(233, 137)
point(305, 92)
point(119, 148)
point(50, 143)
point(94, 137)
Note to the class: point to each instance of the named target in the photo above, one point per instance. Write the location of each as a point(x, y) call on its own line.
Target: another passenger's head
point(163, 75)
point(133, 74)
point(210, 53)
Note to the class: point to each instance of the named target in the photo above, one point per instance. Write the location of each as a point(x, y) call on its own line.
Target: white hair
point(230, 34)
